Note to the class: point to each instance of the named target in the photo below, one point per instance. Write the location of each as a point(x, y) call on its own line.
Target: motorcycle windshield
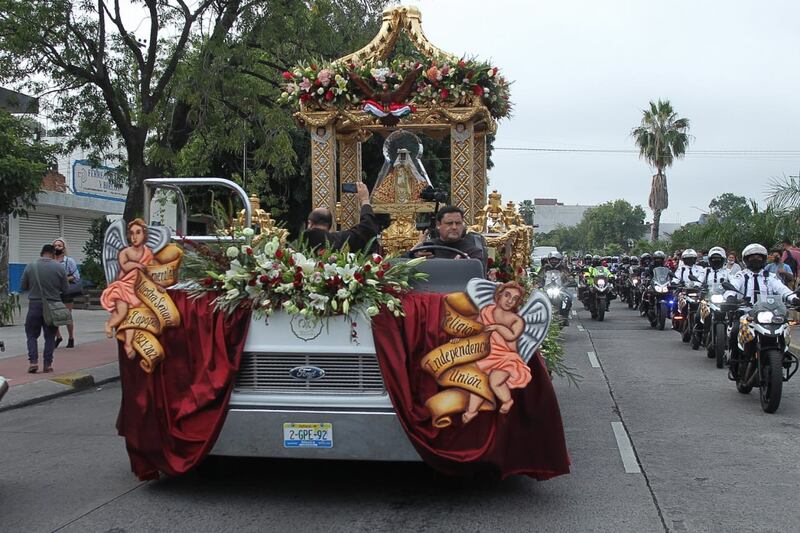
point(773, 304)
point(662, 275)
point(716, 288)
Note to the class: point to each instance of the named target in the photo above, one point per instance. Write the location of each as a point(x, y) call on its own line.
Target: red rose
point(490, 262)
point(305, 97)
point(279, 254)
point(329, 96)
point(317, 83)
point(249, 251)
point(321, 264)
point(367, 267)
point(208, 281)
point(461, 64)
point(358, 277)
point(377, 259)
point(291, 261)
point(386, 266)
point(321, 252)
point(444, 93)
point(494, 71)
point(519, 270)
point(263, 278)
point(252, 282)
point(379, 274)
point(477, 90)
point(288, 76)
point(297, 283)
point(298, 270)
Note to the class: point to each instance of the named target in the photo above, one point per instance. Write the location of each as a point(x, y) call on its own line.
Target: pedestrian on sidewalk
point(51, 282)
point(74, 282)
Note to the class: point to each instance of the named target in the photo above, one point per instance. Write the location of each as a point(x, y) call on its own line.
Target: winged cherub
point(123, 260)
point(515, 336)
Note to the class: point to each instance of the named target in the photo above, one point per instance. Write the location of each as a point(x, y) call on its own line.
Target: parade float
point(244, 344)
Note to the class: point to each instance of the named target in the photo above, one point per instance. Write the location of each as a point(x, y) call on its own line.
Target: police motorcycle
point(658, 300)
point(763, 360)
point(688, 299)
point(716, 317)
point(552, 281)
point(632, 287)
point(621, 278)
point(758, 340)
point(599, 293)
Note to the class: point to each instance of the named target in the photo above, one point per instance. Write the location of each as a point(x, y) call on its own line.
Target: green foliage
point(608, 226)
point(552, 350)
point(526, 211)
point(729, 205)
point(92, 267)
point(23, 163)
point(9, 306)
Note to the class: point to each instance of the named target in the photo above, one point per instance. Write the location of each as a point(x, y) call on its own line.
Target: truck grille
point(344, 374)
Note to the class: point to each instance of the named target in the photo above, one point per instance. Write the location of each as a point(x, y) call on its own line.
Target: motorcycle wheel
point(630, 303)
point(686, 330)
point(719, 344)
point(601, 313)
point(771, 380)
point(662, 315)
point(742, 377)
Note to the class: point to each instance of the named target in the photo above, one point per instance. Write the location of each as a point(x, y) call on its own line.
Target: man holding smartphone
point(320, 222)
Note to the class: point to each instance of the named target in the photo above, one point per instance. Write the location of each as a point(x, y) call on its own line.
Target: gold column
point(349, 172)
point(323, 167)
point(479, 183)
point(462, 171)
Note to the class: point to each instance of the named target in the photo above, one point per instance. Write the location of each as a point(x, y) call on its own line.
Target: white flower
point(372, 310)
point(271, 247)
point(329, 270)
point(318, 301)
point(320, 90)
point(232, 252)
point(346, 306)
point(343, 294)
point(232, 294)
point(346, 272)
point(248, 232)
point(308, 265)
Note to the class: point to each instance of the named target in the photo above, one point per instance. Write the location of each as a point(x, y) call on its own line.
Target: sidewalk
point(93, 361)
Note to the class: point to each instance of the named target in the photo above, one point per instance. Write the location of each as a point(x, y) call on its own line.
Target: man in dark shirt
point(451, 228)
point(320, 222)
point(52, 281)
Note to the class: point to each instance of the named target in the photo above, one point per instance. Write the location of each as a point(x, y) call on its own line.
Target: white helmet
point(754, 249)
point(689, 252)
point(718, 251)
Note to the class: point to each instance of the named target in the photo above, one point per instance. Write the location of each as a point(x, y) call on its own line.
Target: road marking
point(574, 314)
point(580, 328)
point(593, 359)
point(625, 449)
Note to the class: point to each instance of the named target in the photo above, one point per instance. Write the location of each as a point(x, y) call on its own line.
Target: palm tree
point(526, 211)
point(661, 138)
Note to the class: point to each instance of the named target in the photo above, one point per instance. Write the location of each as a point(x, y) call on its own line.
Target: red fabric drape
point(528, 440)
point(171, 418)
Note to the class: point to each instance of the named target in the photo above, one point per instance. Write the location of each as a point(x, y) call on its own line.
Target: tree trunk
point(4, 253)
point(654, 231)
point(138, 170)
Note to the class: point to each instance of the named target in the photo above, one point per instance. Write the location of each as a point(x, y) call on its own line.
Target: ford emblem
point(307, 373)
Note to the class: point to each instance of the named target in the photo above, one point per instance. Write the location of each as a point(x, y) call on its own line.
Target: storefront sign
point(97, 182)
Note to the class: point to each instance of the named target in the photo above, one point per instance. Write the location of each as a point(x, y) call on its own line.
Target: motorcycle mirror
point(693, 278)
point(728, 286)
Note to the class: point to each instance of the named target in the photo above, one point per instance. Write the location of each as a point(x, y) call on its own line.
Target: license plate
point(307, 435)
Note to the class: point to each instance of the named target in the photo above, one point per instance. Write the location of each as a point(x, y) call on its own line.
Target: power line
point(630, 151)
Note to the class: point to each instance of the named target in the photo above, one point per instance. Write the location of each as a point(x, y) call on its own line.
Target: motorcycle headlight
point(765, 317)
point(553, 292)
point(717, 298)
point(635, 281)
point(601, 283)
point(661, 289)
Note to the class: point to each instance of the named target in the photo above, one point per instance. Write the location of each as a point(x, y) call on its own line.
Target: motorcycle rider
point(658, 260)
point(752, 284)
point(583, 276)
point(689, 266)
point(554, 263)
point(716, 271)
point(600, 269)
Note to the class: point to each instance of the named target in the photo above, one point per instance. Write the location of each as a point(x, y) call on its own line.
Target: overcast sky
point(584, 69)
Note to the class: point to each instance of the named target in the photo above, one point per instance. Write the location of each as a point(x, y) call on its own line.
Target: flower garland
point(317, 284)
point(438, 81)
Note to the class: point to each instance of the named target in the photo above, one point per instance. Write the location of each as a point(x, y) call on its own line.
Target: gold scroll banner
point(158, 310)
point(452, 364)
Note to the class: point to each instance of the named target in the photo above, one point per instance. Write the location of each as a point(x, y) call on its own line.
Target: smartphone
point(349, 188)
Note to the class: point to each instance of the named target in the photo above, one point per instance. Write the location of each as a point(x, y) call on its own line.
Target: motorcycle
point(763, 359)
point(658, 300)
point(559, 298)
point(716, 317)
point(634, 295)
point(685, 316)
point(599, 292)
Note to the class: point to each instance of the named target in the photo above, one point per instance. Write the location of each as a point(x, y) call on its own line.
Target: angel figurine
point(123, 259)
point(515, 335)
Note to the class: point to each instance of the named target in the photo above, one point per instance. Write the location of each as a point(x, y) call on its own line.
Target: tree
point(23, 163)
point(526, 211)
point(612, 223)
point(661, 138)
point(203, 82)
point(729, 205)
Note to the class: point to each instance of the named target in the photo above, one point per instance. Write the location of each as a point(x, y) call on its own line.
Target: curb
point(62, 385)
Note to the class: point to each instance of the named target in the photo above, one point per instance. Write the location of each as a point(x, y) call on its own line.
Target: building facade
point(550, 213)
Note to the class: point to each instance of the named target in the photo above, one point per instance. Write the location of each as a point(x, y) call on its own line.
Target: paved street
point(703, 458)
